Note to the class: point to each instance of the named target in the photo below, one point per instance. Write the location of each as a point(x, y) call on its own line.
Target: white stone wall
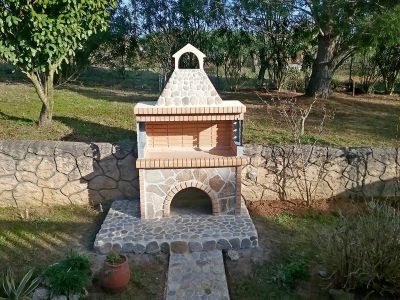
point(274, 172)
point(53, 173)
point(159, 182)
point(57, 173)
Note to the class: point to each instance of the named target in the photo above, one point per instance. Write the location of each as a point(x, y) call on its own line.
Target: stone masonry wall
point(218, 183)
point(274, 173)
point(49, 173)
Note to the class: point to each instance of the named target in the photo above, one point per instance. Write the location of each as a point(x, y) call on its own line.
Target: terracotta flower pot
point(115, 276)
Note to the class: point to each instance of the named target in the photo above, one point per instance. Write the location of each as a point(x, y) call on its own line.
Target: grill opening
point(191, 201)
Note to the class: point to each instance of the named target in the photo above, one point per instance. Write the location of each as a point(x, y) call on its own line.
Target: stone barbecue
point(189, 152)
point(189, 139)
point(190, 157)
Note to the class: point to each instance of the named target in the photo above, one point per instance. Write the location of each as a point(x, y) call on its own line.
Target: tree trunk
point(253, 62)
point(263, 67)
point(321, 76)
point(46, 115)
point(45, 92)
point(389, 84)
point(261, 72)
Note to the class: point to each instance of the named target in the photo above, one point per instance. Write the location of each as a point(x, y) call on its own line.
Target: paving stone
point(138, 249)
point(117, 247)
point(209, 245)
point(152, 247)
point(179, 247)
point(235, 242)
point(104, 248)
point(195, 247)
point(165, 248)
point(197, 275)
point(128, 247)
point(246, 243)
point(223, 244)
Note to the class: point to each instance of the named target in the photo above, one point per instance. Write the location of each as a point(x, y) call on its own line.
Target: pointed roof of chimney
point(189, 86)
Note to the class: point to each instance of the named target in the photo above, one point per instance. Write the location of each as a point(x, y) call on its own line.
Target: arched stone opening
point(191, 201)
point(191, 198)
point(189, 48)
point(189, 60)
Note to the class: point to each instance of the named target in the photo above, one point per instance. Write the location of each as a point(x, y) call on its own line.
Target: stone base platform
point(123, 230)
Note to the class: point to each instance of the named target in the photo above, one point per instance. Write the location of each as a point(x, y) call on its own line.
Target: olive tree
point(38, 36)
point(340, 24)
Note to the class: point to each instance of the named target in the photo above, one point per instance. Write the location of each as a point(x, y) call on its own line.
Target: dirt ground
point(273, 208)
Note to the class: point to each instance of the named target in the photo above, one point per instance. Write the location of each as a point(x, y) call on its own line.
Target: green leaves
point(37, 35)
point(68, 276)
point(23, 289)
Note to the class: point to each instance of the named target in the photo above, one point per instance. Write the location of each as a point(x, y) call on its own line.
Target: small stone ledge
point(125, 231)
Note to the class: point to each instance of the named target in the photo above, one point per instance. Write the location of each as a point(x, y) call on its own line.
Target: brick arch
point(190, 184)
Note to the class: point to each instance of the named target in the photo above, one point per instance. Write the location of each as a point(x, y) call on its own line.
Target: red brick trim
point(153, 163)
point(191, 118)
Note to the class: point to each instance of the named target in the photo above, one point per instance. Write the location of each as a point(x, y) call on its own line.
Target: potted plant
point(116, 273)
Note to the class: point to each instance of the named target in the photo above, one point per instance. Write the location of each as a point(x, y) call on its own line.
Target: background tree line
point(279, 40)
point(273, 38)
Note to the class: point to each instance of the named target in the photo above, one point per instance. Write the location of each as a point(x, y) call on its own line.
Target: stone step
point(197, 275)
point(123, 230)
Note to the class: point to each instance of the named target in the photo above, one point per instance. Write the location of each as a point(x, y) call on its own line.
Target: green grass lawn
point(49, 233)
point(291, 271)
point(46, 236)
point(99, 107)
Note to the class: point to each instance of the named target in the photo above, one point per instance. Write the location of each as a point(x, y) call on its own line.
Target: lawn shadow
point(86, 131)
point(39, 242)
point(134, 80)
point(111, 94)
point(17, 119)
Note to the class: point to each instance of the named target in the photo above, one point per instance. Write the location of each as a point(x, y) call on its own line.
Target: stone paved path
point(197, 275)
point(125, 231)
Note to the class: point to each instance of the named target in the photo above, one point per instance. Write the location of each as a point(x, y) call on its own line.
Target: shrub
point(287, 275)
point(363, 250)
point(21, 290)
point(68, 276)
point(294, 80)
